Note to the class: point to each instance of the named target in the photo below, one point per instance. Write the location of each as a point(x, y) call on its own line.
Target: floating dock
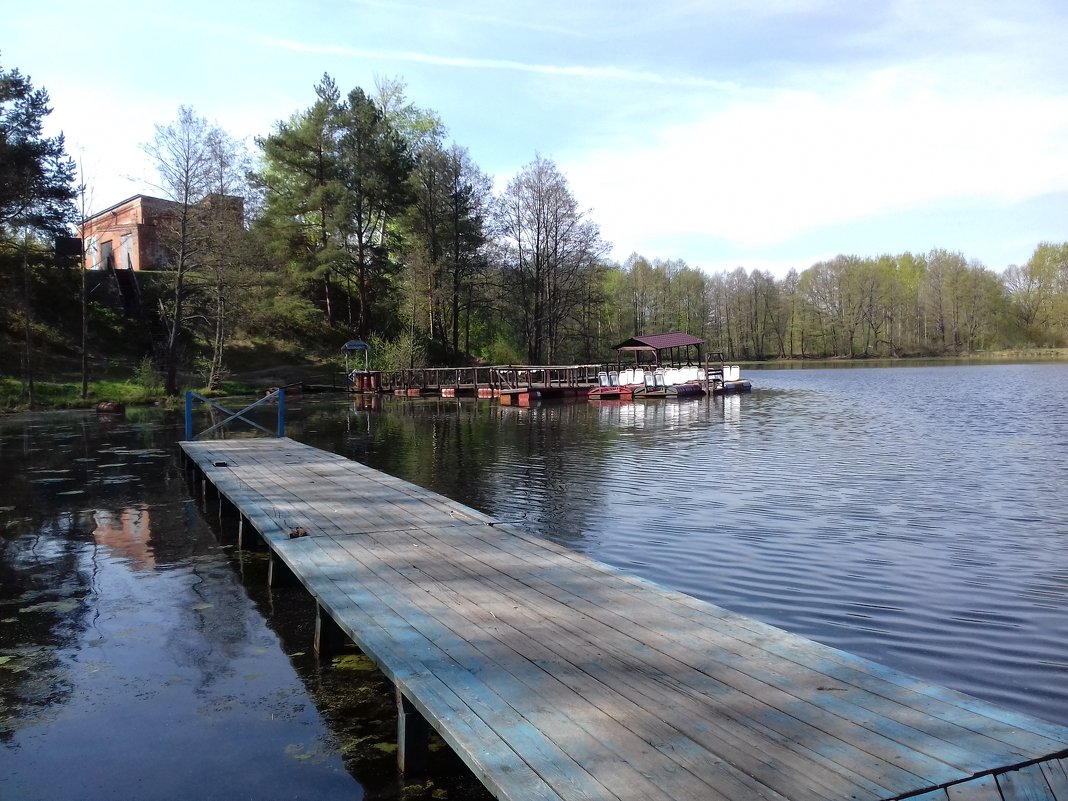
point(556, 677)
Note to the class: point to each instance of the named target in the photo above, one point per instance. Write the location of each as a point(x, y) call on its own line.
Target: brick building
point(128, 235)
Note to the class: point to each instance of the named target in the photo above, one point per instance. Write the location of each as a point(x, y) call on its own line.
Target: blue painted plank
point(732, 668)
point(704, 683)
point(592, 734)
point(1022, 734)
point(1025, 784)
point(413, 658)
point(1056, 773)
point(984, 788)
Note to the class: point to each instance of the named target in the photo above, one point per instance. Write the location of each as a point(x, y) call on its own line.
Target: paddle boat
point(673, 368)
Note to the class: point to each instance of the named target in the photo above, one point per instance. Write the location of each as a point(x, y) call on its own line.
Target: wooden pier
point(556, 677)
point(514, 384)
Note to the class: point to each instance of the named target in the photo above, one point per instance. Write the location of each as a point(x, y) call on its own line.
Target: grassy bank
point(14, 395)
point(268, 366)
point(127, 381)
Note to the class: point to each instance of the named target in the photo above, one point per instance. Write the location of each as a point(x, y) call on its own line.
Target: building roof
point(122, 203)
point(674, 339)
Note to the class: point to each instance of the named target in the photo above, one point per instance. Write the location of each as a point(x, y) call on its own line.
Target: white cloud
point(764, 168)
point(504, 65)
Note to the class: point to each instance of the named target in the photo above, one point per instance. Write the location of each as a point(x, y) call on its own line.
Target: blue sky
point(766, 134)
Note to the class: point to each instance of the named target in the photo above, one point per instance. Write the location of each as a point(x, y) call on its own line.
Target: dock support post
point(412, 737)
point(240, 530)
point(329, 636)
point(279, 573)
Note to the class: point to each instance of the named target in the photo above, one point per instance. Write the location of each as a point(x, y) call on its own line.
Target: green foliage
point(502, 351)
point(36, 175)
point(149, 378)
point(549, 254)
point(369, 224)
point(67, 395)
point(334, 176)
point(400, 353)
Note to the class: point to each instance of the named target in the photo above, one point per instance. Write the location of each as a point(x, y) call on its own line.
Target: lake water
point(913, 515)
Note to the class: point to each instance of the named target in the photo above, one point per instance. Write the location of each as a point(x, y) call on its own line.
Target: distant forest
point(362, 220)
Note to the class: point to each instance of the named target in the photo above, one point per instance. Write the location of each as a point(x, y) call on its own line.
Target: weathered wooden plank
point(1018, 728)
point(411, 660)
point(1019, 733)
point(726, 668)
point(933, 795)
point(500, 616)
point(584, 730)
point(985, 788)
point(1025, 784)
point(373, 590)
point(555, 676)
point(1056, 773)
point(489, 756)
point(607, 689)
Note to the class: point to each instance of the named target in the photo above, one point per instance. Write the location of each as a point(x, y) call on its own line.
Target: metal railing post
point(281, 412)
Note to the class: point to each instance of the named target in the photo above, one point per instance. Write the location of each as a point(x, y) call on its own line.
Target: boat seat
point(602, 379)
point(659, 378)
point(613, 379)
point(650, 380)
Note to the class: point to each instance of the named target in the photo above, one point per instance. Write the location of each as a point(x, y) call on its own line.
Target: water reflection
point(126, 535)
point(128, 646)
point(911, 515)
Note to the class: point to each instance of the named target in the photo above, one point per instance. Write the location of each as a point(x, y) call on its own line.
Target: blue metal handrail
point(278, 394)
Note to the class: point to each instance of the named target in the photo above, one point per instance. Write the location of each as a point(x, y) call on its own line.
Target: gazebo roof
point(655, 342)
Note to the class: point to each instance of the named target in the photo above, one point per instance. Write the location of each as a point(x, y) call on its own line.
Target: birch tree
point(550, 250)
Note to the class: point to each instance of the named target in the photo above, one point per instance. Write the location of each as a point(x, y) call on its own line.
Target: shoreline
point(66, 395)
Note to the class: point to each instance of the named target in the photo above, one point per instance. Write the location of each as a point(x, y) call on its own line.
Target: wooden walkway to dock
point(556, 677)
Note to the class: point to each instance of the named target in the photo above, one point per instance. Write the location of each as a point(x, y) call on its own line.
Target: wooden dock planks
point(554, 676)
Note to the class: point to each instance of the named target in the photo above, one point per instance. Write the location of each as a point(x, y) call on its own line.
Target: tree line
point(359, 218)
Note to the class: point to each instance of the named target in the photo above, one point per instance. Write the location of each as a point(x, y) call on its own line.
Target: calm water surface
point(913, 515)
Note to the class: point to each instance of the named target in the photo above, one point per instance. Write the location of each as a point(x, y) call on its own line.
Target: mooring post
point(279, 574)
point(329, 636)
point(240, 529)
point(188, 414)
point(412, 737)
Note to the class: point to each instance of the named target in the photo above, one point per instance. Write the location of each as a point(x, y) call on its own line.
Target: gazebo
point(365, 380)
point(675, 343)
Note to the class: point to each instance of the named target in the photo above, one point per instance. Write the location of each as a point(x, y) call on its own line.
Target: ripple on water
point(912, 515)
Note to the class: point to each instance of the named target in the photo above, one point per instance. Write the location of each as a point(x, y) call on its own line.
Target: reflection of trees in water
point(46, 574)
point(50, 556)
point(210, 629)
point(515, 464)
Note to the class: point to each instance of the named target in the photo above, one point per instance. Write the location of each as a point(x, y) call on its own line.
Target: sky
point(766, 134)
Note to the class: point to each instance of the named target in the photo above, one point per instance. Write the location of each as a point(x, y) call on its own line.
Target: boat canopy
point(655, 342)
point(675, 342)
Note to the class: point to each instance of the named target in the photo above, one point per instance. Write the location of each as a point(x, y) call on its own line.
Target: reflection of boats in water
point(670, 370)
